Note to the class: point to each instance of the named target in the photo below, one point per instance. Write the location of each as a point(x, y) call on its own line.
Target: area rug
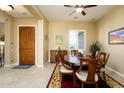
point(22, 67)
point(54, 81)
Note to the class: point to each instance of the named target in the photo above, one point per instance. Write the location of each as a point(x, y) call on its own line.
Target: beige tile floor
point(33, 77)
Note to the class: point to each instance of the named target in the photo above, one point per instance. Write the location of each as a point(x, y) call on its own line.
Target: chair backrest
point(74, 51)
point(103, 56)
point(61, 55)
point(63, 62)
point(97, 54)
point(91, 68)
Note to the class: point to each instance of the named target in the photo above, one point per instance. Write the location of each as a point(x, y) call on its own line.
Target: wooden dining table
point(72, 60)
point(75, 61)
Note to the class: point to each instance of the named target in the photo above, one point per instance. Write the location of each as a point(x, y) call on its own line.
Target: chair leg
point(96, 84)
point(98, 73)
point(60, 77)
point(82, 85)
point(1, 62)
point(104, 76)
point(74, 78)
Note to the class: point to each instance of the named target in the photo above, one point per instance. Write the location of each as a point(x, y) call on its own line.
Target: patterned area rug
point(54, 81)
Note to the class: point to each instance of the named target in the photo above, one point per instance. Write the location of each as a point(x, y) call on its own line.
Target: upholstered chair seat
point(82, 75)
point(65, 70)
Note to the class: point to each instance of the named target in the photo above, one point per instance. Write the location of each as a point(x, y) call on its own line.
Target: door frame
point(17, 51)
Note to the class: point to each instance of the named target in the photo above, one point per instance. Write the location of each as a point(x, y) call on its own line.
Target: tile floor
point(33, 77)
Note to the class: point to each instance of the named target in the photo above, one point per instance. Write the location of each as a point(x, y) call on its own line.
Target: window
point(77, 40)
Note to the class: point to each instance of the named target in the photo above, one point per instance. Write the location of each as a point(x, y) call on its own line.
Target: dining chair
point(88, 76)
point(74, 52)
point(97, 54)
point(103, 56)
point(65, 68)
point(1, 61)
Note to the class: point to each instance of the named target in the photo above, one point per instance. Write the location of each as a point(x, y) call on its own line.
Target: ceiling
point(20, 11)
point(61, 13)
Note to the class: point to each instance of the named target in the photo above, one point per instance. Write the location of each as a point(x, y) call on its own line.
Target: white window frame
point(78, 30)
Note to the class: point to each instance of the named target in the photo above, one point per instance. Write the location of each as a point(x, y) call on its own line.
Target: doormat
point(23, 67)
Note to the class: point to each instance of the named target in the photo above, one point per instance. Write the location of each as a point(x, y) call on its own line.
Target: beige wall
point(45, 38)
point(8, 28)
point(17, 22)
point(2, 29)
point(62, 28)
point(113, 20)
point(38, 38)
point(41, 45)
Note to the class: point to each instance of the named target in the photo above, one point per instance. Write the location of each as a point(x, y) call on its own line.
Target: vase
point(94, 54)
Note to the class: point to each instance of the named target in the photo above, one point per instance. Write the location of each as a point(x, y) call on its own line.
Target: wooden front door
point(26, 45)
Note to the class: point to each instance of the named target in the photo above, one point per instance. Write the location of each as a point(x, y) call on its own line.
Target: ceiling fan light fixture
point(79, 10)
point(6, 8)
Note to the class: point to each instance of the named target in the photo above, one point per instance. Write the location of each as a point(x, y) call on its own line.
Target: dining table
point(75, 60)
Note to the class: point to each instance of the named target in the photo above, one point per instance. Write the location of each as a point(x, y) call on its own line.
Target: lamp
point(6, 7)
point(79, 10)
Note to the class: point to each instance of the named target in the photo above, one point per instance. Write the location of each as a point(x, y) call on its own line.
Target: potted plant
point(94, 48)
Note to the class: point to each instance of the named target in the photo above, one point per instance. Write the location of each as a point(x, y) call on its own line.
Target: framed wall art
point(59, 39)
point(116, 36)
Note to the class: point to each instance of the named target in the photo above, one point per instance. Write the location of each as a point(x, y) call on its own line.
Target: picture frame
point(59, 39)
point(116, 36)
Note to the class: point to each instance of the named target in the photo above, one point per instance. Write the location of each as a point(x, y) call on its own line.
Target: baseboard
point(39, 65)
point(10, 65)
point(116, 72)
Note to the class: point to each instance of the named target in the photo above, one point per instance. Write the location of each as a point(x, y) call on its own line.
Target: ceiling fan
point(79, 8)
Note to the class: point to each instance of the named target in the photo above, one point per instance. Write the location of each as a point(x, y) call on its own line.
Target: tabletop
point(75, 60)
point(72, 59)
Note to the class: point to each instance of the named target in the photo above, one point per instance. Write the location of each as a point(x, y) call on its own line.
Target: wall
point(2, 29)
point(45, 39)
point(113, 20)
point(62, 28)
point(38, 38)
point(8, 28)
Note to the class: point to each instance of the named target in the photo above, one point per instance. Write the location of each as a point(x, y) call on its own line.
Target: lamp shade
point(6, 7)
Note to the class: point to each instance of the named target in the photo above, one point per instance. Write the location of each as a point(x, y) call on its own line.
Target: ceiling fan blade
point(68, 6)
point(71, 13)
point(77, 6)
point(89, 6)
point(83, 13)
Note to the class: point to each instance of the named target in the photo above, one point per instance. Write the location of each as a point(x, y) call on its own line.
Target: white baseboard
point(39, 65)
point(15, 64)
point(116, 72)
